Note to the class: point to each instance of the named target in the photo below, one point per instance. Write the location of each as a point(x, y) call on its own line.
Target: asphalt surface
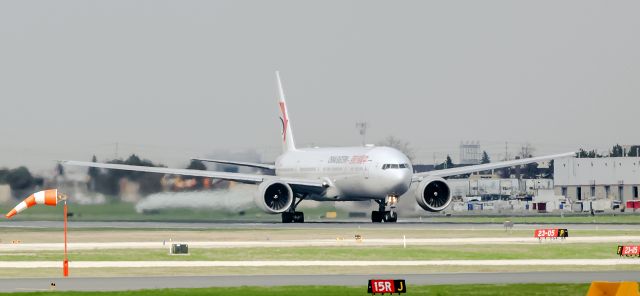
point(404, 224)
point(319, 263)
point(137, 283)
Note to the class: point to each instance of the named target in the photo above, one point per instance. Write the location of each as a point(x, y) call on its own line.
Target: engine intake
point(274, 197)
point(433, 194)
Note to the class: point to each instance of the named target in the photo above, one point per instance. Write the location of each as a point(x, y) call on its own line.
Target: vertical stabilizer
point(287, 134)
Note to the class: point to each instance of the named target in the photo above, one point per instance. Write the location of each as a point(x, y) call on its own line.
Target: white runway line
point(322, 243)
point(138, 264)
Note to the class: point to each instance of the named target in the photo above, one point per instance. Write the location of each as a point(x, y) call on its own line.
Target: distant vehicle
point(381, 174)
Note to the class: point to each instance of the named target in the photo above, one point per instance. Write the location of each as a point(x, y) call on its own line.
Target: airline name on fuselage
point(345, 159)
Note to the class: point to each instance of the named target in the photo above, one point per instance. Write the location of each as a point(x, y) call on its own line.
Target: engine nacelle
point(433, 194)
point(274, 197)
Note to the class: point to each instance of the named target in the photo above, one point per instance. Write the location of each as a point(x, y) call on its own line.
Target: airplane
point(377, 173)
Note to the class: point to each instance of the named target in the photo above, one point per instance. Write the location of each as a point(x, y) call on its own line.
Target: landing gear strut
point(382, 214)
point(291, 216)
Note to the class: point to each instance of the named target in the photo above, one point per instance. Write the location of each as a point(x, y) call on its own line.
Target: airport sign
point(386, 286)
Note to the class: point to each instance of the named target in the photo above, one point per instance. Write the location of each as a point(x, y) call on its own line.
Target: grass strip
point(482, 290)
point(554, 250)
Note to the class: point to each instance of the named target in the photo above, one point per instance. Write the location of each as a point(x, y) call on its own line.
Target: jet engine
point(433, 194)
point(274, 197)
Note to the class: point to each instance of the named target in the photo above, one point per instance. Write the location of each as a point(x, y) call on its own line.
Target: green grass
point(126, 212)
point(555, 250)
point(121, 211)
point(483, 290)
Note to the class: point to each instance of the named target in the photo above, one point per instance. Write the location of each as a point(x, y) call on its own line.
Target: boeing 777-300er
point(381, 174)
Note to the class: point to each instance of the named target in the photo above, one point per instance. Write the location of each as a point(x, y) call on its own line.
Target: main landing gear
point(382, 214)
point(291, 216)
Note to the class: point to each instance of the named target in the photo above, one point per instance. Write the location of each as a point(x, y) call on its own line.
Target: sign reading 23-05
point(386, 286)
point(551, 233)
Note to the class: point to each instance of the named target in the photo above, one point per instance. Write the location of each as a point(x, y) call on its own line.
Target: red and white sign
point(544, 233)
point(630, 251)
point(382, 286)
point(551, 233)
point(386, 286)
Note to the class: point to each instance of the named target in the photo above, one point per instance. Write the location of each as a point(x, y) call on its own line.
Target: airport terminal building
point(613, 178)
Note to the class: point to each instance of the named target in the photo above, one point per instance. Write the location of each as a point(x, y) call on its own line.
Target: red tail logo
point(285, 121)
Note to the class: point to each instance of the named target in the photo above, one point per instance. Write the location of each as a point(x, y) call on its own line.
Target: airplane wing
point(487, 166)
point(239, 163)
point(245, 178)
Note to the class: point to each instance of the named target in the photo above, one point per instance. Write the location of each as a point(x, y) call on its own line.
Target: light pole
point(362, 129)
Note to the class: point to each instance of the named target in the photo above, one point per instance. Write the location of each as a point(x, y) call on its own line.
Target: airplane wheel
point(390, 216)
point(376, 216)
point(287, 217)
point(298, 217)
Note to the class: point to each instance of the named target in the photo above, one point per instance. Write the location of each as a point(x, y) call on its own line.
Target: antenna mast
point(362, 129)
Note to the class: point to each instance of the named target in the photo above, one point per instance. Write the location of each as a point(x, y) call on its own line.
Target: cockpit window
point(395, 166)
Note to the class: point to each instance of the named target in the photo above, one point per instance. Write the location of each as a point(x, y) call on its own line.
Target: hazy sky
point(175, 79)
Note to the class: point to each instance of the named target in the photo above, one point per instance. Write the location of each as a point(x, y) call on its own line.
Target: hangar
point(614, 178)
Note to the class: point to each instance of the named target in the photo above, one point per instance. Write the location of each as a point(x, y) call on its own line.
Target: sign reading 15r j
point(386, 286)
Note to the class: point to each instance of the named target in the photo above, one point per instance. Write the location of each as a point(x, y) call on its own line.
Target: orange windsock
point(47, 197)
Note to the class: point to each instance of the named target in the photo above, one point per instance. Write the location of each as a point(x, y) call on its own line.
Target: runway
point(402, 224)
point(421, 238)
point(320, 243)
point(322, 263)
point(136, 283)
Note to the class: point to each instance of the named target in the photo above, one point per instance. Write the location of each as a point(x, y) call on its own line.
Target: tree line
point(19, 179)
point(107, 181)
point(528, 171)
point(615, 151)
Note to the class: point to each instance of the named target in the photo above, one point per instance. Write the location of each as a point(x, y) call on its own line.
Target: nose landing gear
point(382, 214)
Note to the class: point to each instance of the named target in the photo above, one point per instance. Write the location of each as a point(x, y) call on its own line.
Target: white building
point(614, 178)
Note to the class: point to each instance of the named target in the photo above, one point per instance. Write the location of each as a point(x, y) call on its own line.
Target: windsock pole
point(65, 264)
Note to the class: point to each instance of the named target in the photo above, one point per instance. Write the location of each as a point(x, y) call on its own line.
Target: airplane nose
point(400, 181)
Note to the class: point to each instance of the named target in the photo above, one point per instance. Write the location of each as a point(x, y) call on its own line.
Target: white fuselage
point(352, 173)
